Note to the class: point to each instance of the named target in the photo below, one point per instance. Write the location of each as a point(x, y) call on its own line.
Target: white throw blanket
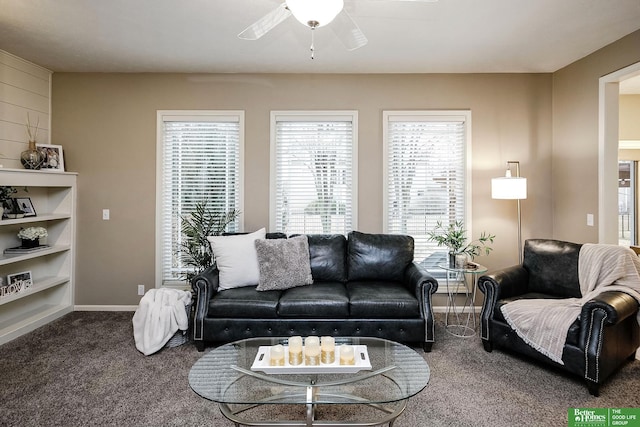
point(544, 323)
point(159, 316)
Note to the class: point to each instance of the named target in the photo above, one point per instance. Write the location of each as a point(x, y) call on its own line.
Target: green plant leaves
point(454, 237)
point(203, 221)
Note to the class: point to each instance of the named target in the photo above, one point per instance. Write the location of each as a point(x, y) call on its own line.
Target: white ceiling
point(198, 36)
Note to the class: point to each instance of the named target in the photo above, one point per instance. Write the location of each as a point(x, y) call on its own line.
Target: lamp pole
point(517, 163)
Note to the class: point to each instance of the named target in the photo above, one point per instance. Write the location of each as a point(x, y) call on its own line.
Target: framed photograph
point(20, 281)
point(25, 205)
point(53, 157)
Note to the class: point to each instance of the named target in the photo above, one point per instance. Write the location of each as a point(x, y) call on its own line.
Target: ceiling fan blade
point(347, 31)
point(265, 24)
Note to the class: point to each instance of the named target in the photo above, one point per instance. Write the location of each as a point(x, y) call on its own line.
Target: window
point(426, 176)
point(313, 154)
point(199, 159)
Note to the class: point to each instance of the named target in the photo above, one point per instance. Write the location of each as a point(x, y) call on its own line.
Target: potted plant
point(196, 227)
point(454, 237)
point(31, 236)
point(5, 196)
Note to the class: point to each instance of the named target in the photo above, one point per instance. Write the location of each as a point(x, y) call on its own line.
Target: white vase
point(461, 260)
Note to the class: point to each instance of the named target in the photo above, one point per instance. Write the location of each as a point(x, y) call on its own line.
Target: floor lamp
point(511, 188)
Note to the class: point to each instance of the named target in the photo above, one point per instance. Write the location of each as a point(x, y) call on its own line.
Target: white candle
point(312, 350)
point(328, 347)
point(295, 350)
point(346, 355)
point(311, 340)
point(277, 355)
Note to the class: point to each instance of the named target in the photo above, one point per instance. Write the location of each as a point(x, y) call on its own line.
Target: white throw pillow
point(237, 259)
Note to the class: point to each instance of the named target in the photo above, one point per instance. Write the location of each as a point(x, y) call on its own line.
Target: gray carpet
point(84, 369)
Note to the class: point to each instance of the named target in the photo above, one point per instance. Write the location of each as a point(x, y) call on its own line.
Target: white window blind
point(313, 157)
point(425, 177)
point(200, 160)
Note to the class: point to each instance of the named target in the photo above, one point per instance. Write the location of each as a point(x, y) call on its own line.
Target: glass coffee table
point(224, 376)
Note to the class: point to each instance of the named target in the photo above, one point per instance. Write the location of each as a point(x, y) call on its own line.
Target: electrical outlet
point(105, 214)
point(590, 220)
point(140, 289)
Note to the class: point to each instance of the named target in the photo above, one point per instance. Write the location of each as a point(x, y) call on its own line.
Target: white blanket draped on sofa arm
point(159, 316)
point(544, 323)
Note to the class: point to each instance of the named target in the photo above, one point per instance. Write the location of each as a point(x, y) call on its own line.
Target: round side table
point(460, 320)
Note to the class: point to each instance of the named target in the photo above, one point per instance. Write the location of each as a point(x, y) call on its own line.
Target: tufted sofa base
point(230, 329)
point(626, 334)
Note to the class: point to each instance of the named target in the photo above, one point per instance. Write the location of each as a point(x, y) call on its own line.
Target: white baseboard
point(105, 307)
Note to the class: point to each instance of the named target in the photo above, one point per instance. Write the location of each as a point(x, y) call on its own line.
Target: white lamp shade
point(320, 11)
point(514, 188)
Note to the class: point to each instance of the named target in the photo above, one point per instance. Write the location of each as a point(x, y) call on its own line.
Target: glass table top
point(224, 375)
point(468, 269)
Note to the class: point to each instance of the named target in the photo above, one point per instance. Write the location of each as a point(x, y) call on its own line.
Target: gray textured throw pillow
point(283, 263)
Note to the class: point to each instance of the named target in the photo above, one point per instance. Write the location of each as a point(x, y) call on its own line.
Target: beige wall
point(107, 125)
point(629, 118)
point(629, 125)
point(629, 154)
point(575, 137)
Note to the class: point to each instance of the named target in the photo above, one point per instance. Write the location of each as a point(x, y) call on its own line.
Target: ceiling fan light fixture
point(315, 13)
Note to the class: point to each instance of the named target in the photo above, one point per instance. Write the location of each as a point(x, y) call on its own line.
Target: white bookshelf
point(53, 195)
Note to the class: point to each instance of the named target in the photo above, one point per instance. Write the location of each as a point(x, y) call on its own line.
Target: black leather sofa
point(364, 285)
point(603, 337)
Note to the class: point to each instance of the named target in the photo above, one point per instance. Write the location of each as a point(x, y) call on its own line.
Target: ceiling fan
point(314, 14)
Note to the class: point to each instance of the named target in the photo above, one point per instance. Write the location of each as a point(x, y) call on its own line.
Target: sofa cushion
point(573, 335)
point(236, 259)
point(378, 256)
point(283, 263)
point(381, 300)
point(552, 267)
point(275, 235)
point(327, 255)
point(320, 300)
point(245, 302)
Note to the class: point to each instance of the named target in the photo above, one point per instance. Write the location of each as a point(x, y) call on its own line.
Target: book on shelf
point(22, 250)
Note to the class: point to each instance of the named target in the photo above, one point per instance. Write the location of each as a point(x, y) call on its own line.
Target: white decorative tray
point(362, 363)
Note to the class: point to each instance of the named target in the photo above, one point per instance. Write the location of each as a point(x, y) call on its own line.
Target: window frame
point(312, 115)
point(163, 116)
point(436, 116)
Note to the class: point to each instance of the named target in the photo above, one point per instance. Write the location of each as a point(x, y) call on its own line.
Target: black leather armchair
point(605, 334)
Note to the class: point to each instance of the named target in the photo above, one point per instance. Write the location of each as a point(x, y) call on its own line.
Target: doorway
point(608, 203)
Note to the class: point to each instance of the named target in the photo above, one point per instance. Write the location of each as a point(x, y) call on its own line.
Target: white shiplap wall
point(24, 87)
